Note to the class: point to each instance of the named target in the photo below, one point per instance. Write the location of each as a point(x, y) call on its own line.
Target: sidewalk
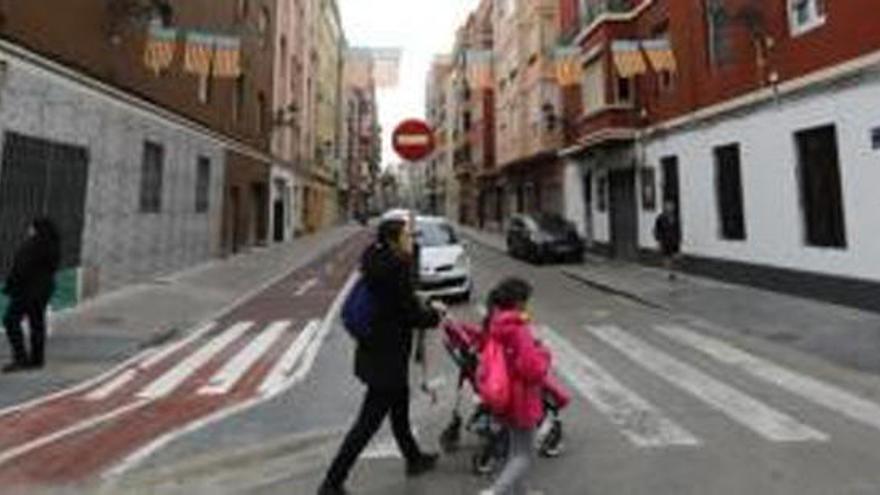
point(95, 335)
point(842, 335)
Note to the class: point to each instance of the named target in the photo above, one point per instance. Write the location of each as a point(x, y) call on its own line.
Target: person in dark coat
point(667, 232)
point(30, 285)
point(382, 358)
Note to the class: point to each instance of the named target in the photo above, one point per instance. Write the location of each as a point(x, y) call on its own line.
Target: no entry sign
point(413, 140)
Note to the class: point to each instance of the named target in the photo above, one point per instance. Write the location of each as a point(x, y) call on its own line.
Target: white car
point(444, 267)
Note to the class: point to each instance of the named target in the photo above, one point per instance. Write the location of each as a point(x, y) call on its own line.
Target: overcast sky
point(421, 28)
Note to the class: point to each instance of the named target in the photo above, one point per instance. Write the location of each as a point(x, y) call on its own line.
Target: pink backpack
point(493, 380)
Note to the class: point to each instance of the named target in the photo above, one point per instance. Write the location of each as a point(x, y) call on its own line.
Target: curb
point(580, 277)
point(608, 289)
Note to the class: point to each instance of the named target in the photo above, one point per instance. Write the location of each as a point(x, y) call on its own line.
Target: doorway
point(623, 214)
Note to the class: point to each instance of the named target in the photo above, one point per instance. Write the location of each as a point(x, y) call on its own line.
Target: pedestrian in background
point(528, 363)
point(30, 285)
point(667, 232)
point(382, 357)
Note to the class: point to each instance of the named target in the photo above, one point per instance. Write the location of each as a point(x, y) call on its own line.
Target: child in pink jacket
point(528, 364)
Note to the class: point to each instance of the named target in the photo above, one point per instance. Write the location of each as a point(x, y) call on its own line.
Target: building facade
point(751, 117)
point(163, 129)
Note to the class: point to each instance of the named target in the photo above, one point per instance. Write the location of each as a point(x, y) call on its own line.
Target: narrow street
point(663, 405)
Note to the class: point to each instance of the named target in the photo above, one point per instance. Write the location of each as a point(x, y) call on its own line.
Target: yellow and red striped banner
point(227, 57)
point(568, 65)
point(660, 55)
point(628, 58)
point(160, 48)
point(199, 53)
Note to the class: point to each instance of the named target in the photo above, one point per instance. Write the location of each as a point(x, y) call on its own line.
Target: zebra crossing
point(646, 425)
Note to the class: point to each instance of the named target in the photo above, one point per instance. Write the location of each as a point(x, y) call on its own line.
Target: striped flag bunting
point(199, 53)
point(568, 65)
point(227, 57)
point(660, 55)
point(160, 47)
point(628, 58)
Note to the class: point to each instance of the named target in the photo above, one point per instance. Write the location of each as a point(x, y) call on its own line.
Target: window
point(238, 98)
point(283, 58)
point(821, 194)
point(665, 81)
point(594, 86)
point(203, 184)
point(719, 36)
point(151, 177)
point(243, 7)
point(262, 111)
point(806, 15)
point(625, 89)
point(603, 194)
point(729, 191)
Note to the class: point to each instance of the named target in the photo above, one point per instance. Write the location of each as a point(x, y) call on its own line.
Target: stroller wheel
point(451, 436)
point(551, 445)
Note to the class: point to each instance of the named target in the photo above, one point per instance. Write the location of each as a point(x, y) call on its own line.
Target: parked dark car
point(544, 237)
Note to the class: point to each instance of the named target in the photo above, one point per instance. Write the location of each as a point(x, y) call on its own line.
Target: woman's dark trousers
point(35, 312)
point(377, 404)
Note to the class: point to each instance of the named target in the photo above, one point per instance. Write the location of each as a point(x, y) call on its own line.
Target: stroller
point(463, 342)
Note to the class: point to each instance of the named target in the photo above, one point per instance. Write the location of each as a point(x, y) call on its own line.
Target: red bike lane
point(253, 352)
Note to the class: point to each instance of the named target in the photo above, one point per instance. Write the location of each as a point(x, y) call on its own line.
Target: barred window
point(151, 177)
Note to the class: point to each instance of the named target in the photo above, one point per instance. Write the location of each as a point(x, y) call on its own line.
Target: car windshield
point(436, 234)
point(552, 223)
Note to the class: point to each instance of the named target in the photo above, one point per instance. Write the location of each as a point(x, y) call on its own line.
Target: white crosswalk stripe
point(112, 386)
point(824, 394)
point(173, 378)
point(283, 368)
point(170, 349)
point(235, 369)
point(745, 410)
point(638, 420)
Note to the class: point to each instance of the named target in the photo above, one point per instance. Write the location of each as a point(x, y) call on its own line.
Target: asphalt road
point(663, 404)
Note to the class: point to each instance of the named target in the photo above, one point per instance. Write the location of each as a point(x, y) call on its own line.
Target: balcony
point(612, 122)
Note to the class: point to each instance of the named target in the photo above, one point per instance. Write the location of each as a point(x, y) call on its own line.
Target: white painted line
point(227, 377)
point(173, 378)
point(747, 411)
point(23, 449)
point(173, 347)
point(305, 287)
point(112, 386)
point(76, 388)
point(824, 394)
point(284, 366)
point(386, 447)
point(638, 420)
point(146, 451)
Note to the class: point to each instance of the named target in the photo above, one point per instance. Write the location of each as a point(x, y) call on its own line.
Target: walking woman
point(30, 286)
point(382, 358)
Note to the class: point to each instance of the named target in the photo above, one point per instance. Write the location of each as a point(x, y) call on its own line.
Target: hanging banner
point(359, 67)
point(660, 55)
point(386, 67)
point(199, 53)
point(479, 73)
point(568, 65)
point(628, 58)
point(160, 48)
point(227, 57)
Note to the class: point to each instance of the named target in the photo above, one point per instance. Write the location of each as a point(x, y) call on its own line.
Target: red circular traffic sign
point(413, 140)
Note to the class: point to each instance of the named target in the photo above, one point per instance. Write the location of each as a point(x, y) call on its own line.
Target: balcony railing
point(593, 10)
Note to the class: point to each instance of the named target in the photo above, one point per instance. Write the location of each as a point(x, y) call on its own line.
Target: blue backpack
point(357, 312)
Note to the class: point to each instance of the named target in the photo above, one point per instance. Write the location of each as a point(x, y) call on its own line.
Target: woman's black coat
point(32, 277)
point(382, 358)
